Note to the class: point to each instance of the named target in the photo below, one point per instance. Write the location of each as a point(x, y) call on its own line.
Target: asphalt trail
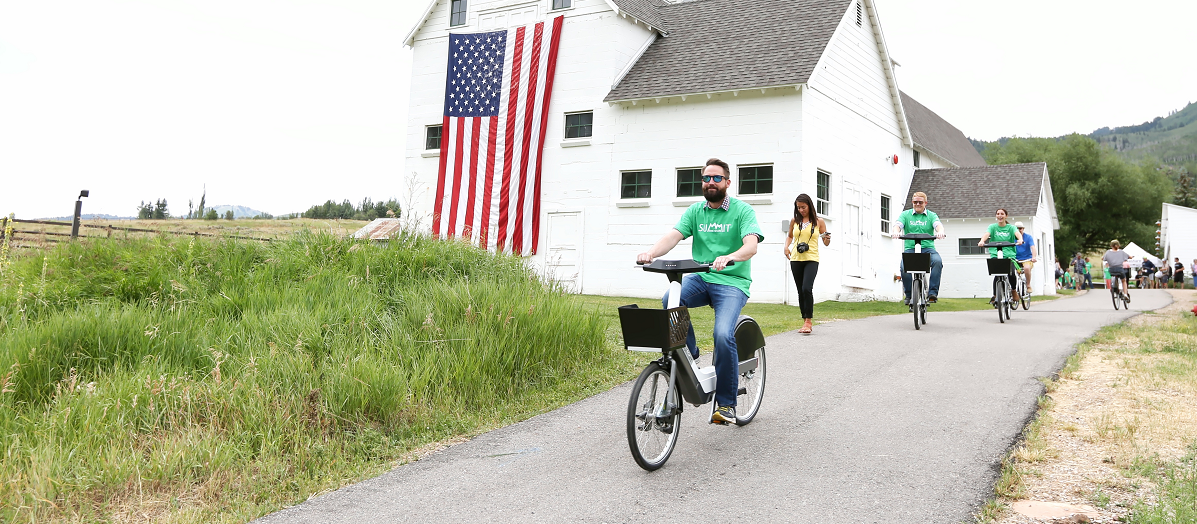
point(863, 421)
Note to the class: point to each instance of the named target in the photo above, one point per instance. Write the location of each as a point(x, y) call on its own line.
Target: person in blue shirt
point(1026, 254)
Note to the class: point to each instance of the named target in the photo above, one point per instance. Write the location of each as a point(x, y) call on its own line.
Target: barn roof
point(724, 45)
point(977, 192)
point(936, 135)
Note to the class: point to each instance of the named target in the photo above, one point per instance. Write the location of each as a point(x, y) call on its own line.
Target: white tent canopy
point(1140, 253)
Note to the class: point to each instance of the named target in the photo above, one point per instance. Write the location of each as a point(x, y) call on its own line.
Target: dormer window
point(457, 13)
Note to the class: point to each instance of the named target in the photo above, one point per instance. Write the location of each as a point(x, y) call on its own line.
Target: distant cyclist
point(1114, 258)
point(1027, 254)
point(920, 221)
point(1003, 232)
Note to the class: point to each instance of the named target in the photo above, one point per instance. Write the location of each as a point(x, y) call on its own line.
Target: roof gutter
point(709, 94)
point(625, 14)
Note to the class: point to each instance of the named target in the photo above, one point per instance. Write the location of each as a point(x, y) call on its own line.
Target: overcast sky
point(281, 104)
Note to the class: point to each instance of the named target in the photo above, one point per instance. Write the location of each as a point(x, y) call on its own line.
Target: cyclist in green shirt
point(920, 220)
point(1004, 232)
point(724, 230)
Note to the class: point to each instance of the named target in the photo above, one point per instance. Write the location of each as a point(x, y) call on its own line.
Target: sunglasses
point(713, 178)
point(920, 201)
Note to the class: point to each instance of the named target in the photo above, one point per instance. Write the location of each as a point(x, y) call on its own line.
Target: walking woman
point(802, 248)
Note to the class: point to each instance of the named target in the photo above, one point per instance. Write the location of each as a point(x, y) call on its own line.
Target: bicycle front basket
point(654, 328)
point(917, 262)
point(999, 266)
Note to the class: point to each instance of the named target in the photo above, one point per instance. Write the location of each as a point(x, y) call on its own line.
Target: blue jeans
point(727, 301)
point(936, 270)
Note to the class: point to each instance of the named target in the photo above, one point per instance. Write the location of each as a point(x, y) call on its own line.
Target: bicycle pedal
point(741, 391)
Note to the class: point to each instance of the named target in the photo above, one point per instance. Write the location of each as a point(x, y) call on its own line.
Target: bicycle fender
point(749, 337)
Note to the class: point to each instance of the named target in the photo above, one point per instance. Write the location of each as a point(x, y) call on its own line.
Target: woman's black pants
point(804, 277)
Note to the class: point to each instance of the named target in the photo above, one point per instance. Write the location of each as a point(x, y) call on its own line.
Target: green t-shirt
point(718, 232)
point(1002, 234)
point(919, 224)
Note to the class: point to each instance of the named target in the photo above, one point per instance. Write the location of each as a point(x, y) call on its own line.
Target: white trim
point(683, 96)
point(757, 200)
point(642, 202)
point(624, 14)
point(636, 58)
point(431, 154)
point(411, 35)
point(686, 201)
point(575, 142)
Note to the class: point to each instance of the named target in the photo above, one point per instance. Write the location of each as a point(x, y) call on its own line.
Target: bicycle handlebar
point(677, 266)
point(1000, 244)
point(917, 236)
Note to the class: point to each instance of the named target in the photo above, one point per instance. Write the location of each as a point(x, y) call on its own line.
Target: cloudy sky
point(278, 105)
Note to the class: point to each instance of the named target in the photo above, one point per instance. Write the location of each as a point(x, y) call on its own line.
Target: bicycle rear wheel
point(1114, 296)
point(1022, 295)
point(751, 390)
point(653, 423)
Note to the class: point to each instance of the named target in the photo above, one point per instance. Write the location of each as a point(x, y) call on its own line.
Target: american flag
point(497, 91)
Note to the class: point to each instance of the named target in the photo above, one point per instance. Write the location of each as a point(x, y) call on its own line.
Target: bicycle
point(1023, 297)
point(1118, 292)
point(918, 264)
point(656, 403)
point(1000, 267)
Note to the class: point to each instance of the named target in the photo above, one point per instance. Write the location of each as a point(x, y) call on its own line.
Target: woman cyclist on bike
point(1003, 232)
point(1115, 256)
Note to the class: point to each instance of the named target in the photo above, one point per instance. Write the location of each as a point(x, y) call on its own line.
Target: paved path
point(864, 421)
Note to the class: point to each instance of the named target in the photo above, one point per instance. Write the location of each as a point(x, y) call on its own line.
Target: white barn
point(1178, 234)
point(799, 96)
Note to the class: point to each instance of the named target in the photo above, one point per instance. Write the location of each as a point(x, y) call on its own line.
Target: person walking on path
point(1026, 254)
point(1166, 275)
point(1146, 274)
point(1088, 273)
point(802, 250)
point(1178, 273)
point(1078, 272)
point(915, 221)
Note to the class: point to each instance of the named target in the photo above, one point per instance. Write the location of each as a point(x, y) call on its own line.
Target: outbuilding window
point(823, 193)
point(636, 184)
point(457, 13)
point(579, 125)
point(968, 246)
point(432, 137)
point(884, 214)
point(562, 4)
point(756, 180)
point(689, 182)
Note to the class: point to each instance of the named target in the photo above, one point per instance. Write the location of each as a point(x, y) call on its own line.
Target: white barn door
point(563, 258)
point(853, 231)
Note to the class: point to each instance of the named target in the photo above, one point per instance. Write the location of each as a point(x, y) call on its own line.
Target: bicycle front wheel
point(751, 390)
point(999, 300)
point(916, 290)
point(653, 422)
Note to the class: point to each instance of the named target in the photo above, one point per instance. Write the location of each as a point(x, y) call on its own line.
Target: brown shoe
point(806, 326)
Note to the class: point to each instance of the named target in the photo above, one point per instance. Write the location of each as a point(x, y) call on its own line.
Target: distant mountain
point(1170, 139)
point(90, 216)
point(238, 211)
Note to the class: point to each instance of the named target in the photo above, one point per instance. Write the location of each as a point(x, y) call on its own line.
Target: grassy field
point(1117, 429)
point(195, 380)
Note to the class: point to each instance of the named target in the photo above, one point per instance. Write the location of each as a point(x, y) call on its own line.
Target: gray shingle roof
point(647, 11)
point(936, 135)
point(977, 192)
point(722, 45)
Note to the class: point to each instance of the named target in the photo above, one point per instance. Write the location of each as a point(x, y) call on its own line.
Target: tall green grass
point(223, 379)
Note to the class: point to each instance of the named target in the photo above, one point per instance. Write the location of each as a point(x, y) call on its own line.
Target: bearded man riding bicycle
point(724, 230)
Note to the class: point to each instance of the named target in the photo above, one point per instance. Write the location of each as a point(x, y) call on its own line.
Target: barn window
point(859, 13)
point(579, 125)
point(968, 246)
point(823, 193)
point(457, 13)
point(432, 137)
point(756, 180)
point(636, 184)
point(916, 159)
point(689, 182)
point(884, 214)
point(562, 4)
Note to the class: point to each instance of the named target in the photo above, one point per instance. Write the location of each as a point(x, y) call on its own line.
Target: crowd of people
point(1142, 271)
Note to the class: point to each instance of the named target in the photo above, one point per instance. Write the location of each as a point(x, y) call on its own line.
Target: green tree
point(160, 210)
point(1098, 196)
point(228, 215)
point(145, 211)
point(211, 215)
point(1185, 194)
